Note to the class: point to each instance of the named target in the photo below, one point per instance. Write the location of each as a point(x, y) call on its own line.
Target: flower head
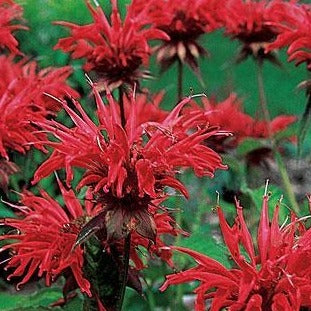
point(184, 22)
point(294, 32)
point(273, 278)
point(128, 168)
point(9, 11)
point(23, 101)
point(46, 234)
point(250, 22)
point(114, 51)
point(240, 124)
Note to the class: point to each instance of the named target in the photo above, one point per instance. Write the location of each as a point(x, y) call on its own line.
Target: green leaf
point(250, 144)
point(38, 300)
point(204, 241)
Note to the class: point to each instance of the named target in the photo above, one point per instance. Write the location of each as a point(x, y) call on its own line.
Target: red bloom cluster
point(184, 22)
point(250, 22)
point(23, 101)
point(46, 238)
point(46, 235)
point(294, 32)
point(115, 52)
point(129, 168)
point(9, 11)
point(240, 124)
point(277, 278)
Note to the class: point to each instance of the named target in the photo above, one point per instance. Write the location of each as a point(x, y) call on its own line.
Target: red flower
point(249, 21)
point(23, 100)
point(277, 125)
point(147, 108)
point(115, 52)
point(9, 11)
point(46, 235)
point(129, 168)
point(184, 22)
point(294, 32)
point(276, 278)
point(239, 124)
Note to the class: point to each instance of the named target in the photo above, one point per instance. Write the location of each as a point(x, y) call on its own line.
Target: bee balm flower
point(9, 11)
point(46, 234)
point(273, 278)
point(128, 168)
point(114, 51)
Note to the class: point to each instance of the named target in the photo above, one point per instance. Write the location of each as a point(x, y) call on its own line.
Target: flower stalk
point(179, 80)
point(124, 274)
point(262, 94)
point(278, 157)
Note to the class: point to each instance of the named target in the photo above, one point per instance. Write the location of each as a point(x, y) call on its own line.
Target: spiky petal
point(275, 278)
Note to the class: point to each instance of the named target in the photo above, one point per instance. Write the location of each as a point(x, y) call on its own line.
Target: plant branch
point(179, 80)
point(126, 260)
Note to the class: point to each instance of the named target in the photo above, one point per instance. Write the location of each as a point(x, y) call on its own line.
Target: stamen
point(96, 3)
point(266, 187)
point(88, 79)
point(218, 198)
point(53, 97)
point(21, 208)
point(99, 144)
point(198, 95)
point(5, 260)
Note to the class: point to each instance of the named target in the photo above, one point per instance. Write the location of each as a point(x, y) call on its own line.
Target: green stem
point(262, 95)
point(121, 104)
point(286, 181)
point(150, 298)
point(278, 158)
point(179, 80)
point(126, 260)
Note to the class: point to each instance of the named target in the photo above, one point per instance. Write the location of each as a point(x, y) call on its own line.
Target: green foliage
point(207, 242)
point(37, 300)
